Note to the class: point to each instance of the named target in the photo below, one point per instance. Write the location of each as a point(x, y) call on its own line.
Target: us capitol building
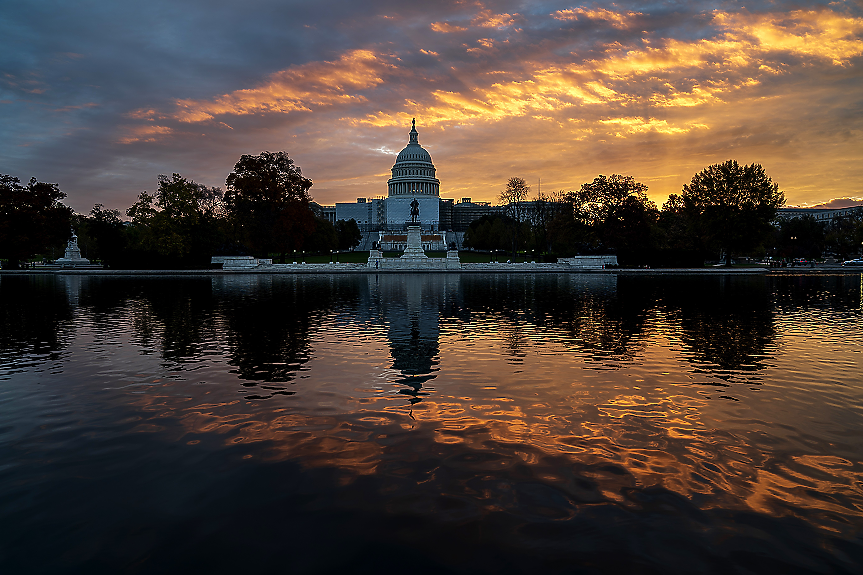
point(413, 177)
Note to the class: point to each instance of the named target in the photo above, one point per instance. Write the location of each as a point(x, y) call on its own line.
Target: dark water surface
point(431, 424)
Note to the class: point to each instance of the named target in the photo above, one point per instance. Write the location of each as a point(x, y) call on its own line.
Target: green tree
point(32, 219)
point(268, 200)
point(731, 206)
point(489, 232)
point(103, 234)
point(179, 223)
point(349, 235)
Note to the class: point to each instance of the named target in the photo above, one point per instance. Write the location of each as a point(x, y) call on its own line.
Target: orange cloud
point(488, 19)
point(820, 34)
point(485, 18)
point(446, 27)
point(299, 88)
point(145, 134)
point(639, 125)
point(620, 20)
point(748, 39)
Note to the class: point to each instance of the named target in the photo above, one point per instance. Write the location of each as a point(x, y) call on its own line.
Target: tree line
point(265, 209)
point(726, 210)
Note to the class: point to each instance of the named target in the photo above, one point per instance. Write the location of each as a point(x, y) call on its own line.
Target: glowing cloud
point(620, 20)
point(447, 28)
point(297, 89)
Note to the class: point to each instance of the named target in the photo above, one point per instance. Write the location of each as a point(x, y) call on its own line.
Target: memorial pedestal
point(414, 248)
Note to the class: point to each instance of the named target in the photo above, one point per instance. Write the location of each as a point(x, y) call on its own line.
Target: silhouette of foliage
point(618, 215)
point(179, 223)
point(268, 200)
point(513, 199)
point(731, 207)
point(32, 219)
point(349, 235)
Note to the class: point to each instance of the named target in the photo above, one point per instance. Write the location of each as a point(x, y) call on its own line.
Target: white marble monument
point(73, 255)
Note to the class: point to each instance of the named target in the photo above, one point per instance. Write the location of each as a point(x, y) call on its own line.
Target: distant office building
point(826, 215)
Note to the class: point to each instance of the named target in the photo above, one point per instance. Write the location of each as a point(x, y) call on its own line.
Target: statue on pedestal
point(73, 254)
point(415, 211)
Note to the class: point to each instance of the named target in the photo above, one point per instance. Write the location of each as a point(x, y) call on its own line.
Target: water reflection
point(34, 311)
point(463, 421)
point(726, 322)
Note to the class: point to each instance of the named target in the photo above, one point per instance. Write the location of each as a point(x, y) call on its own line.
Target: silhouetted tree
point(618, 216)
point(546, 209)
point(490, 232)
point(179, 223)
point(101, 235)
point(32, 219)
point(800, 237)
point(845, 234)
point(268, 200)
point(513, 198)
point(349, 235)
point(731, 206)
point(324, 237)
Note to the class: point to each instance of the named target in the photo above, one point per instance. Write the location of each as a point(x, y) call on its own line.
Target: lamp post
point(332, 258)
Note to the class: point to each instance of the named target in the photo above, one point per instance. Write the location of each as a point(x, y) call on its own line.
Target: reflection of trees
point(595, 313)
point(726, 320)
point(32, 312)
point(175, 312)
point(838, 293)
point(269, 320)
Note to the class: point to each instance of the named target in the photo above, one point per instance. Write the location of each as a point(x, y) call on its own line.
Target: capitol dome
point(413, 172)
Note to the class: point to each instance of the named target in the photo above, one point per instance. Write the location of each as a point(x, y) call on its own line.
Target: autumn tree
point(731, 206)
point(32, 219)
point(268, 199)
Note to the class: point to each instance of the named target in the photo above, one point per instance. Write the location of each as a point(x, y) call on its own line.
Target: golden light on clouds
point(616, 19)
point(301, 88)
point(481, 73)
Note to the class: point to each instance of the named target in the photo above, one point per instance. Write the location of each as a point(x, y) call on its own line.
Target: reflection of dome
point(414, 172)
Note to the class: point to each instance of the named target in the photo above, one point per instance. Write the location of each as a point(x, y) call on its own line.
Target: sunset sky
point(103, 96)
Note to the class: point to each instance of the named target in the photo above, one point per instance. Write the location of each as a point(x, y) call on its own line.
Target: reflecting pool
point(431, 423)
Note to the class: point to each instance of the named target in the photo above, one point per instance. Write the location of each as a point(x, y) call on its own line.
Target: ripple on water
point(476, 423)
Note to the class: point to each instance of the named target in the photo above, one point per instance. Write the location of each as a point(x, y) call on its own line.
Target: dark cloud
point(839, 203)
